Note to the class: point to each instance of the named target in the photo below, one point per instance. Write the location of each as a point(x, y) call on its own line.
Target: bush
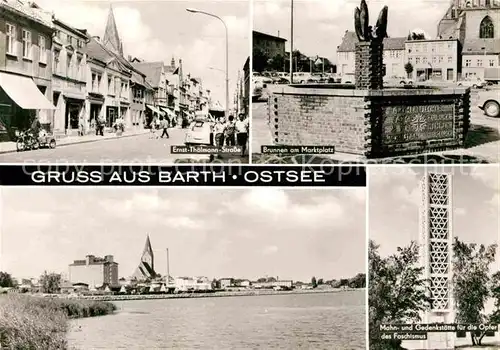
point(28, 325)
point(41, 323)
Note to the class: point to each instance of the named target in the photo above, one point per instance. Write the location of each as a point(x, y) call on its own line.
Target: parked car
point(347, 78)
point(489, 103)
point(199, 132)
point(397, 81)
point(473, 83)
point(301, 77)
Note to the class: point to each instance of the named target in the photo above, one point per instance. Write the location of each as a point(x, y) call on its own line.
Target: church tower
point(146, 268)
point(111, 39)
point(436, 234)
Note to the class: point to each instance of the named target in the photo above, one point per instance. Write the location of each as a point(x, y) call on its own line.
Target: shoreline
point(206, 295)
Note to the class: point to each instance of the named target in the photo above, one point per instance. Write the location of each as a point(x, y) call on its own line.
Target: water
point(300, 321)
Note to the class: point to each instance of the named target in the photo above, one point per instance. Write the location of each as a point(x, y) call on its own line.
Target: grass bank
point(41, 323)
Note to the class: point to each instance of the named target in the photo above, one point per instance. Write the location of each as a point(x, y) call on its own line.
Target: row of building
point(467, 46)
point(71, 80)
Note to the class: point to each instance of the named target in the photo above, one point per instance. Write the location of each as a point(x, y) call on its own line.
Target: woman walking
point(242, 133)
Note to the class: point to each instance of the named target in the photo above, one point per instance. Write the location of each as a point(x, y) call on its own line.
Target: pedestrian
point(242, 133)
point(152, 134)
point(164, 125)
point(219, 130)
point(230, 133)
point(100, 126)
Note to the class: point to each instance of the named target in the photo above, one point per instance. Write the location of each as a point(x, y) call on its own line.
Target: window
point(11, 39)
point(110, 81)
point(79, 44)
point(434, 59)
point(69, 65)
point(42, 57)
point(467, 63)
point(56, 68)
point(424, 59)
point(486, 29)
point(450, 59)
point(441, 59)
point(492, 63)
point(479, 63)
point(26, 44)
point(417, 59)
point(450, 46)
point(79, 69)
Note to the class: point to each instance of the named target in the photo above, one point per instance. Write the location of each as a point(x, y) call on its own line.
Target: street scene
point(422, 89)
point(434, 257)
point(219, 266)
point(96, 81)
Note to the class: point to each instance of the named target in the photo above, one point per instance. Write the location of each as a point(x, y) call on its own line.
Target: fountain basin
point(370, 123)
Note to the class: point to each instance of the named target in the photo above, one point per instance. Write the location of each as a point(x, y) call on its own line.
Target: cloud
point(266, 199)
point(270, 249)
point(489, 176)
point(410, 196)
point(183, 222)
point(32, 218)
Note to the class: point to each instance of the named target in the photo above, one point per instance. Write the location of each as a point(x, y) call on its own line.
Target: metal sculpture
point(364, 31)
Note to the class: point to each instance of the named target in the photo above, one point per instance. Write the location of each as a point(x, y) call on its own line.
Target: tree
point(50, 283)
point(397, 291)
point(472, 283)
point(409, 69)
point(260, 59)
point(6, 280)
point(313, 282)
point(320, 281)
point(277, 63)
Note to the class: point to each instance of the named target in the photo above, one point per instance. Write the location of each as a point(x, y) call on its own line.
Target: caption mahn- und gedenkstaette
point(176, 177)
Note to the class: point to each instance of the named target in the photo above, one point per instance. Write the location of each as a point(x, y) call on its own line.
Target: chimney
point(109, 258)
point(129, 58)
point(89, 259)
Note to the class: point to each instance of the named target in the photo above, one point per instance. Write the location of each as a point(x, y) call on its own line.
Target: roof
point(481, 46)
point(152, 70)
point(31, 11)
point(350, 39)
point(267, 36)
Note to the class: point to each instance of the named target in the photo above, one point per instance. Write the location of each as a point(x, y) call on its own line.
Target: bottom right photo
point(434, 264)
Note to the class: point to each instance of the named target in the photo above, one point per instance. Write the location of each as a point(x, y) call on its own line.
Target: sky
point(217, 233)
point(394, 200)
point(157, 30)
point(319, 25)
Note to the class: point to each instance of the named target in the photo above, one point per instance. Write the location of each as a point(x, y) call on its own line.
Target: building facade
point(270, 45)
point(69, 79)
point(94, 271)
point(25, 67)
point(394, 55)
point(434, 59)
point(474, 23)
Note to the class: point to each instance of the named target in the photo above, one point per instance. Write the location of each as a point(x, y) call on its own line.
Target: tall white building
point(94, 271)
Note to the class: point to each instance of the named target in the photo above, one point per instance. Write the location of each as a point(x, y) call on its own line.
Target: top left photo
point(94, 82)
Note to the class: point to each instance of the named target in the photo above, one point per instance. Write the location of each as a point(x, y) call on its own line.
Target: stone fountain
point(365, 119)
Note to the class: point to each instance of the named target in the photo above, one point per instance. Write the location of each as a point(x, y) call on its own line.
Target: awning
point(155, 110)
point(24, 92)
point(168, 111)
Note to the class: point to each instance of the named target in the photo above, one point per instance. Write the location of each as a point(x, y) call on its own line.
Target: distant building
point(475, 24)
point(146, 268)
point(272, 284)
point(226, 282)
point(268, 45)
point(25, 67)
point(394, 55)
point(191, 284)
point(94, 271)
point(434, 59)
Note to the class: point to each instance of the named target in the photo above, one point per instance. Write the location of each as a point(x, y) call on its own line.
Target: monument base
point(371, 123)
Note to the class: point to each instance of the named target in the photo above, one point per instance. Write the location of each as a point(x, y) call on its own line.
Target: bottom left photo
point(164, 268)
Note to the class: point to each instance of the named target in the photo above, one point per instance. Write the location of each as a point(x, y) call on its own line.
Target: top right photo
point(377, 81)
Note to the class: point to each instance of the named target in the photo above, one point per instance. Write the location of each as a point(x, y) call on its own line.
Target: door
point(449, 74)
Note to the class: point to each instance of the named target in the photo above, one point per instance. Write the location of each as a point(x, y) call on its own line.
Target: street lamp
point(227, 52)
